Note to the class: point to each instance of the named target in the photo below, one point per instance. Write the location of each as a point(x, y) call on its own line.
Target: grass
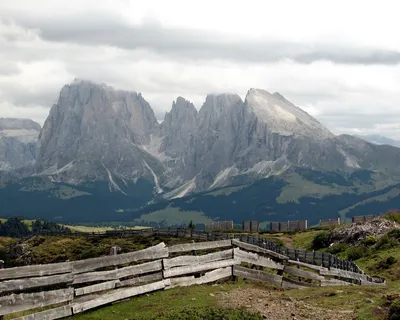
point(393, 216)
point(100, 229)
point(42, 250)
point(299, 240)
point(150, 306)
point(174, 216)
point(361, 299)
point(299, 187)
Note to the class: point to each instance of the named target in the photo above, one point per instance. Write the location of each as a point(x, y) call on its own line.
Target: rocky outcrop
point(357, 232)
point(18, 143)
point(96, 133)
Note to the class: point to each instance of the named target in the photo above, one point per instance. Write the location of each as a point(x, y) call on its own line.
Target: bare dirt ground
point(274, 305)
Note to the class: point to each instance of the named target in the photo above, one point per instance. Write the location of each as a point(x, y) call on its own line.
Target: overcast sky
point(338, 60)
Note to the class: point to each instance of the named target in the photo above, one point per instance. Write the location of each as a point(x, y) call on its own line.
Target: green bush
point(210, 313)
point(386, 242)
point(321, 240)
point(394, 216)
point(394, 310)
point(370, 240)
point(338, 248)
point(394, 233)
point(386, 263)
point(355, 253)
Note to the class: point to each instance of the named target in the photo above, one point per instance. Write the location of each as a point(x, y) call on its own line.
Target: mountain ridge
point(98, 136)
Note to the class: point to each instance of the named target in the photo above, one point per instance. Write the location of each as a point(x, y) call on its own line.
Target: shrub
point(386, 242)
point(386, 263)
point(355, 253)
point(321, 240)
point(210, 313)
point(370, 240)
point(394, 233)
point(393, 216)
point(338, 248)
point(394, 310)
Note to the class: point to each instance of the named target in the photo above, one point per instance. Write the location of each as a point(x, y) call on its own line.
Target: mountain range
point(378, 139)
point(103, 156)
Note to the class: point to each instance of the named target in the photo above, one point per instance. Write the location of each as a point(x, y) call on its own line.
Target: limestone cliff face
point(18, 138)
point(97, 133)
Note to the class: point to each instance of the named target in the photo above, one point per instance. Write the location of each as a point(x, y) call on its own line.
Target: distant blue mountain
point(378, 139)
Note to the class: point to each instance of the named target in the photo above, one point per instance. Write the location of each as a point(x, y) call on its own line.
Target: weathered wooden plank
point(52, 314)
point(303, 273)
point(307, 265)
point(141, 280)
point(334, 282)
point(26, 301)
point(199, 246)
point(143, 268)
point(257, 249)
point(188, 260)
point(147, 267)
point(97, 287)
point(292, 284)
point(119, 295)
point(31, 283)
point(344, 274)
point(211, 276)
point(35, 270)
point(257, 275)
point(254, 258)
point(173, 272)
point(156, 252)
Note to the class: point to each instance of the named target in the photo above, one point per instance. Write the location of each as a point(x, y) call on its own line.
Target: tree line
point(15, 227)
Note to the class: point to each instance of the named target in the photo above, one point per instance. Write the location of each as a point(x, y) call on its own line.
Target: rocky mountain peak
point(182, 107)
point(18, 138)
point(18, 124)
point(220, 102)
point(93, 130)
point(23, 130)
point(283, 117)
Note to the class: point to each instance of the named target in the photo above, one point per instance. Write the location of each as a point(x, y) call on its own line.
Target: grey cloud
point(100, 29)
point(358, 120)
point(13, 94)
point(8, 68)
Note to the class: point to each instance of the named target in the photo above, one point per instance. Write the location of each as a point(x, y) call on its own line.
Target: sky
point(338, 60)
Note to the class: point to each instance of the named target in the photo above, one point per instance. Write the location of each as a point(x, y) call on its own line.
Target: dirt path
point(274, 305)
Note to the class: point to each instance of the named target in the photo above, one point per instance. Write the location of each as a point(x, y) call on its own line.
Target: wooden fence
point(69, 288)
point(313, 257)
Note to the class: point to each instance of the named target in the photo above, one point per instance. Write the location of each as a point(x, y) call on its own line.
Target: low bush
point(394, 310)
point(393, 216)
point(210, 313)
point(338, 248)
point(370, 240)
point(355, 253)
point(386, 242)
point(394, 233)
point(386, 263)
point(320, 241)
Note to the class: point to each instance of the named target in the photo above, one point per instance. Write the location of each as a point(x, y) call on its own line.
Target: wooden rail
point(70, 288)
point(310, 257)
